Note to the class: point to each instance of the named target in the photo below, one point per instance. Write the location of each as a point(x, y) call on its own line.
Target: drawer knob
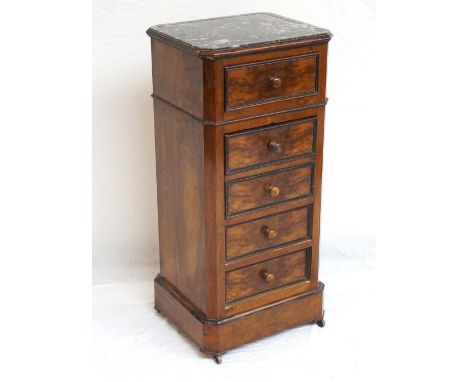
point(269, 233)
point(267, 276)
point(275, 82)
point(274, 191)
point(275, 147)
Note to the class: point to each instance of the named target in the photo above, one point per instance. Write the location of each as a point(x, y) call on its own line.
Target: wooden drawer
point(268, 232)
point(270, 144)
point(269, 81)
point(265, 276)
point(268, 189)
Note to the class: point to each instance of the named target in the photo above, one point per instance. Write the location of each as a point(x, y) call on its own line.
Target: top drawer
point(270, 81)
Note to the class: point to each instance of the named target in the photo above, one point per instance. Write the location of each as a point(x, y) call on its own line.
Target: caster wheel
point(218, 359)
point(321, 323)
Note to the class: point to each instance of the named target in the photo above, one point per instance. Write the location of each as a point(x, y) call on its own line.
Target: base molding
point(217, 336)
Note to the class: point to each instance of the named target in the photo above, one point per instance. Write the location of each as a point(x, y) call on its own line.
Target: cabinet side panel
point(318, 197)
point(180, 181)
point(178, 77)
point(214, 191)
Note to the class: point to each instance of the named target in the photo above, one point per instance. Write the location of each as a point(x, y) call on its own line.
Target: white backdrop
point(132, 342)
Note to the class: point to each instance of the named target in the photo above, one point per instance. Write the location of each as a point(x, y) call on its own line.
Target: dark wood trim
point(155, 96)
point(244, 261)
point(277, 165)
point(252, 119)
point(308, 273)
point(244, 119)
point(279, 208)
point(314, 135)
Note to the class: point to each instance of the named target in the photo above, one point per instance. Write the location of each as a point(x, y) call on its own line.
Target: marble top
point(238, 31)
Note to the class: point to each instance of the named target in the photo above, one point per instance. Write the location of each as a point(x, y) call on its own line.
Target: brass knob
point(275, 82)
point(267, 276)
point(275, 147)
point(273, 191)
point(269, 233)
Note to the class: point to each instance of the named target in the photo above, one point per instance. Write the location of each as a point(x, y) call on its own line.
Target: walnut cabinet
point(239, 106)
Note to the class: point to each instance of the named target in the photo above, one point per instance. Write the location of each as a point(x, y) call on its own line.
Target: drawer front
point(268, 232)
point(269, 81)
point(268, 189)
point(269, 144)
point(265, 276)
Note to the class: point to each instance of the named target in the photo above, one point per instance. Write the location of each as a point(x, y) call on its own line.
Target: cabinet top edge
point(232, 35)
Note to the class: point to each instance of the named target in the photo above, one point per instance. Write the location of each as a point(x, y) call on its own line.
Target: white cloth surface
point(134, 343)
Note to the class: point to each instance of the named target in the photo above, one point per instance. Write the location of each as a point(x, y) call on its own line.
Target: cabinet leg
point(218, 359)
point(321, 323)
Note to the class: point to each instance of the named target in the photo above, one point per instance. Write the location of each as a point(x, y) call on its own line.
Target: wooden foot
point(321, 323)
point(157, 309)
point(217, 358)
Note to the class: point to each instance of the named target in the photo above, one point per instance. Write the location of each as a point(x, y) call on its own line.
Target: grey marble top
point(238, 31)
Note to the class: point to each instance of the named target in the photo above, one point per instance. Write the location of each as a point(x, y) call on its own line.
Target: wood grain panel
point(181, 203)
point(248, 281)
point(250, 84)
point(178, 78)
point(301, 309)
point(253, 193)
point(278, 104)
point(214, 222)
point(269, 144)
point(217, 336)
point(177, 309)
point(268, 232)
point(318, 193)
point(269, 297)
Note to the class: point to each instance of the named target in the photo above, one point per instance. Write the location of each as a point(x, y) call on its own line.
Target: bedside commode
point(239, 106)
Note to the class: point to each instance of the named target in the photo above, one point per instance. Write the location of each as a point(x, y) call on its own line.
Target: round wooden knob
point(267, 276)
point(270, 233)
point(275, 147)
point(275, 82)
point(274, 191)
